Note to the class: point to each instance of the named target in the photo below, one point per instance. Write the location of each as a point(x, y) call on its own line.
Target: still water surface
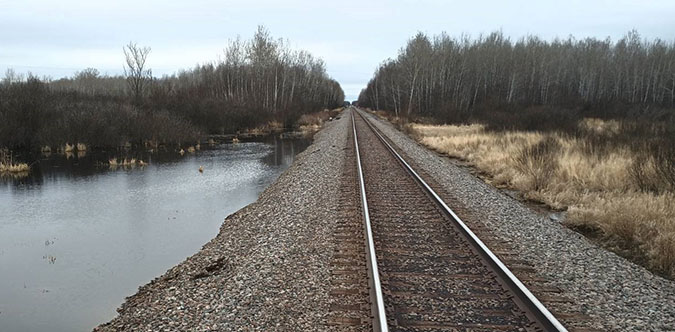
point(76, 238)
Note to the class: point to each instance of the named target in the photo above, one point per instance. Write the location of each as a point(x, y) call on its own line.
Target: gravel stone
point(616, 294)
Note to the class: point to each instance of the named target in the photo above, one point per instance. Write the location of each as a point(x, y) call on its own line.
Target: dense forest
point(456, 79)
point(258, 81)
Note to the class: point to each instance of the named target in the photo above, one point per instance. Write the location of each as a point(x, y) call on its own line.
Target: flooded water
point(76, 238)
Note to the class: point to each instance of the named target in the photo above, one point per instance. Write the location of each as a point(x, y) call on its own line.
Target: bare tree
point(85, 80)
point(11, 77)
point(138, 77)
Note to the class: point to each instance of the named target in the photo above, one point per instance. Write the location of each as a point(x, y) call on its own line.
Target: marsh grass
point(653, 168)
point(9, 167)
point(309, 124)
point(266, 129)
point(623, 192)
point(114, 163)
point(538, 162)
point(14, 167)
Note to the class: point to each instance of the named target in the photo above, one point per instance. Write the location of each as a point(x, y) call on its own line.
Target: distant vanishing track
point(427, 271)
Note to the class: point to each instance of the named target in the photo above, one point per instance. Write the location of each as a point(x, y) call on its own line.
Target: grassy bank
point(620, 192)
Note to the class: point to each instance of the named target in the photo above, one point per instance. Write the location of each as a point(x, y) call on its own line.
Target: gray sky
point(57, 38)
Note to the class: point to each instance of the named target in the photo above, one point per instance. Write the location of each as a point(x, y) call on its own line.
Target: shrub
point(642, 173)
point(538, 162)
point(664, 162)
point(653, 167)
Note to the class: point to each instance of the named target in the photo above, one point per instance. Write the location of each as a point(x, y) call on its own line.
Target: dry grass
point(14, 168)
point(598, 189)
point(314, 119)
point(266, 129)
point(601, 126)
point(308, 130)
point(114, 163)
point(309, 124)
point(11, 168)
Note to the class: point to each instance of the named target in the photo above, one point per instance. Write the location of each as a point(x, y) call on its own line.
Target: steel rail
point(534, 307)
point(377, 300)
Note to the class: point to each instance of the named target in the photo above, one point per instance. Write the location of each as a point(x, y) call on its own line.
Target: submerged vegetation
point(259, 81)
point(586, 126)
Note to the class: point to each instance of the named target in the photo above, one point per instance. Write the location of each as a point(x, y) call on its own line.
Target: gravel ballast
point(616, 294)
point(267, 269)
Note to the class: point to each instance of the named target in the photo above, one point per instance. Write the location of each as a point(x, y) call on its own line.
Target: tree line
point(258, 80)
point(262, 75)
point(455, 79)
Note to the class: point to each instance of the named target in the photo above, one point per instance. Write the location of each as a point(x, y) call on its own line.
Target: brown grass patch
point(10, 167)
point(633, 207)
point(14, 168)
point(114, 163)
point(266, 129)
point(309, 124)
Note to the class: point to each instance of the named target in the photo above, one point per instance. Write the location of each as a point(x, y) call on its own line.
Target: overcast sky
point(57, 38)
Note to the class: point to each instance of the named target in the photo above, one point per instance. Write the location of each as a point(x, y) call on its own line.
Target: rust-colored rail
point(433, 272)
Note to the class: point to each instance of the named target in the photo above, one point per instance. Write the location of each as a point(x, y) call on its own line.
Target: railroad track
point(427, 271)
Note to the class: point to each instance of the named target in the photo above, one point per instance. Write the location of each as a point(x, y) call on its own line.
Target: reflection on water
point(77, 237)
